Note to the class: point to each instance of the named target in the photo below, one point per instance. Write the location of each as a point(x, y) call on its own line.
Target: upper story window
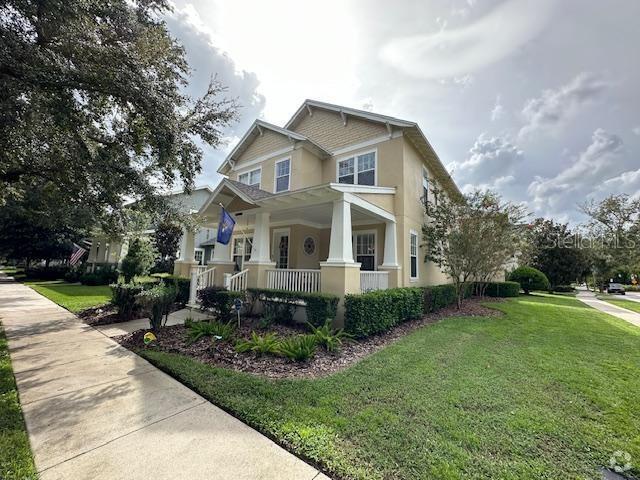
point(413, 255)
point(425, 185)
point(283, 175)
point(251, 178)
point(358, 170)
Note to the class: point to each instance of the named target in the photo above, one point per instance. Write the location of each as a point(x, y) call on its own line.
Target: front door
point(281, 248)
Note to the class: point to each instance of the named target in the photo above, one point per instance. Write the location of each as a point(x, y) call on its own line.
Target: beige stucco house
point(331, 202)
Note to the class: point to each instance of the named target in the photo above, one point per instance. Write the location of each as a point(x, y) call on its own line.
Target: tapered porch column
point(186, 261)
point(260, 260)
point(390, 261)
point(340, 274)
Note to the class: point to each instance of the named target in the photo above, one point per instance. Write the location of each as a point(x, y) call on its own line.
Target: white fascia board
point(370, 207)
point(349, 188)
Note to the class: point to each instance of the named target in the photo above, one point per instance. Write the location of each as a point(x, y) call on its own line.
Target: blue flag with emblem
point(225, 228)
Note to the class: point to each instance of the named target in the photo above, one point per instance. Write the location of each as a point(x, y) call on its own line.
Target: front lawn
point(547, 391)
point(73, 297)
point(16, 461)
point(621, 302)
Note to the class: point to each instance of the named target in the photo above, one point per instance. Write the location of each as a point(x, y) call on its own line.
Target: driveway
point(590, 299)
point(95, 410)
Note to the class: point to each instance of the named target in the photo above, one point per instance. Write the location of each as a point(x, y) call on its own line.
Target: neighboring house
point(107, 250)
point(332, 202)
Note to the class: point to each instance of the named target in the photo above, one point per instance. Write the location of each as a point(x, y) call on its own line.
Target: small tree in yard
point(529, 279)
point(471, 239)
point(167, 239)
point(139, 259)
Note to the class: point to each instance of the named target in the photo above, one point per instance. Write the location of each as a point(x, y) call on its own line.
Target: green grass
point(73, 297)
point(550, 390)
point(621, 302)
point(16, 461)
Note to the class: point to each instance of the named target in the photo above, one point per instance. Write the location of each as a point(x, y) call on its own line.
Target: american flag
point(77, 254)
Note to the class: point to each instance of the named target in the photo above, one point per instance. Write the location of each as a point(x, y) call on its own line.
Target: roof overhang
point(225, 192)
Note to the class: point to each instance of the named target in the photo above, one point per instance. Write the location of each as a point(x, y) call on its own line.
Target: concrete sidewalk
point(590, 299)
point(95, 410)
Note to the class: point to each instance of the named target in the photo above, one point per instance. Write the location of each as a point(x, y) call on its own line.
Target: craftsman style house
point(332, 202)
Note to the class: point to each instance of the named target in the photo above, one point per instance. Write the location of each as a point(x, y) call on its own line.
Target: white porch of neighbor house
point(322, 239)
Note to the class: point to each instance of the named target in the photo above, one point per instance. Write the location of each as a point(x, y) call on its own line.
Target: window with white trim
point(198, 256)
point(413, 255)
point(283, 175)
point(425, 185)
point(251, 178)
point(365, 250)
point(241, 252)
point(358, 170)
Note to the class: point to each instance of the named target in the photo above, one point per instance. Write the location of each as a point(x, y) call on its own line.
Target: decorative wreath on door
point(309, 246)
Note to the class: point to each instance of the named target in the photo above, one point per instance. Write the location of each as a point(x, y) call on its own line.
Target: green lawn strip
point(74, 297)
point(547, 391)
point(620, 302)
point(16, 461)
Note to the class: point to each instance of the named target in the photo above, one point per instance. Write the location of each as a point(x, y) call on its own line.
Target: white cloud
point(498, 110)
point(554, 107)
point(490, 164)
point(571, 185)
point(460, 51)
point(636, 130)
point(627, 182)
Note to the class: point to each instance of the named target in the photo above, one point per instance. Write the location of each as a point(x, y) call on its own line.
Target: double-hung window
point(365, 249)
point(425, 186)
point(358, 170)
point(241, 252)
point(283, 175)
point(413, 254)
point(251, 178)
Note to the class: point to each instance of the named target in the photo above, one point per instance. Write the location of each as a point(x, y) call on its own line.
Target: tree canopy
point(93, 106)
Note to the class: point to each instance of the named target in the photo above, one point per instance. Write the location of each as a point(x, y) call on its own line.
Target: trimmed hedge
point(502, 289)
point(220, 301)
point(104, 276)
point(376, 312)
point(529, 279)
point(564, 289)
point(47, 273)
point(320, 306)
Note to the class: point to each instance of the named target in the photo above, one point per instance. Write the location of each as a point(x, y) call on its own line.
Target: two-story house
point(332, 202)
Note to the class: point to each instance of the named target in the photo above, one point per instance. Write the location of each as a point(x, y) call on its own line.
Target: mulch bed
point(222, 354)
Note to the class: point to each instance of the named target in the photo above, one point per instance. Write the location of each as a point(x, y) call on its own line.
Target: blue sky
point(537, 100)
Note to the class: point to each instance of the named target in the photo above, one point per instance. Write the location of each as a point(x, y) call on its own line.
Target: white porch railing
point(301, 280)
point(201, 277)
point(236, 282)
point(373, 281)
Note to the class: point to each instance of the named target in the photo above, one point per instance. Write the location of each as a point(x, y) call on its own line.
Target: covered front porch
point(322, 239)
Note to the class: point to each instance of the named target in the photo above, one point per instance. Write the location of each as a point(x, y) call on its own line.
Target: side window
point(283, 175)
point(251, 178)
point(413, 254)
point(346, 171)
point(425, 185)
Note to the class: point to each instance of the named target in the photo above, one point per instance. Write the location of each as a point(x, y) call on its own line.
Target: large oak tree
point(93, 109)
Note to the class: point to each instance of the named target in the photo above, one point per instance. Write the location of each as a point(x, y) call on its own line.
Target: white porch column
point(187, 245)
point(341, 243)
point(261, 250)
point(390, 246)
point(222, 253)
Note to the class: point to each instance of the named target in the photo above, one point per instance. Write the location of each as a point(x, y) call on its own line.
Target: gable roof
point(411, 130)
point(256, 130)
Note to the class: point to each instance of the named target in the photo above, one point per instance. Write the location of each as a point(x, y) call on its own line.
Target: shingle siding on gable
point(267, 143)
point(327, 129)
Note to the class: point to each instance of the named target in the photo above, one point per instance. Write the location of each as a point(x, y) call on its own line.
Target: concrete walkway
point(176, 318)
point(590, 299)
point(95, 410)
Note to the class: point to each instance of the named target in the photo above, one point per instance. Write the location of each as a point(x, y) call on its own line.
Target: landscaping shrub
point(259, 344)
point(197, 330)
point(106, 275)
point(529, 279)
point(376, 312)
point(564, 288)
point(47, 273)
point(139, 259)
point(157, 301)
point(320, 306)
point(74, 274)
point(327, 337)
point(123, 297)
point(440, 296)
point(299, 348)
point(219, 300)
point(502, 289)
point(182, 285)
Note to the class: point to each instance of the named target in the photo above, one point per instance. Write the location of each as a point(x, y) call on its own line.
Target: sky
point(536, 100)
